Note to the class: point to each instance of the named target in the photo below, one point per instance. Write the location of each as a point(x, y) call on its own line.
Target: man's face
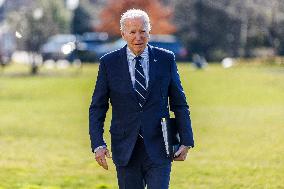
point(135, 34)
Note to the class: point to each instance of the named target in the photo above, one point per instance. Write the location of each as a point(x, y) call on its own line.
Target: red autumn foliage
point(160, 15)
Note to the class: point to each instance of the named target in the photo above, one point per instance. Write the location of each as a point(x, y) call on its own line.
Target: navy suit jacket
point(114, 85)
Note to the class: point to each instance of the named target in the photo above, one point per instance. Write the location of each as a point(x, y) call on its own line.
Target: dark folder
point(171, 136)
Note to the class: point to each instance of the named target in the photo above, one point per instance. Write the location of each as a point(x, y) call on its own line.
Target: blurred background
point(85, 30)
point(230, 59)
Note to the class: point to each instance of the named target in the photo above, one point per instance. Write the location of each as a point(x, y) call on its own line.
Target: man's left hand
point(181, 154)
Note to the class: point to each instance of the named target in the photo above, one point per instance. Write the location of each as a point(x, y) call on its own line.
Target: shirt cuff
point(99, 147)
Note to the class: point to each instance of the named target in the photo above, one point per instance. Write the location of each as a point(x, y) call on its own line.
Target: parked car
point(58, 47)
point(109, 47)
point(88, 45)
point(171, 43)
point(168, 42)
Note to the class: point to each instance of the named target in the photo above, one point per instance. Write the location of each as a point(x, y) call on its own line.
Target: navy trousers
point(141, 171)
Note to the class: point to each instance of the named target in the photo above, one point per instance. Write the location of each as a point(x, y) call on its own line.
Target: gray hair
point(135, 13)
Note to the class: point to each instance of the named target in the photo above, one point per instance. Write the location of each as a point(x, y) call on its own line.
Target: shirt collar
point(131, 55)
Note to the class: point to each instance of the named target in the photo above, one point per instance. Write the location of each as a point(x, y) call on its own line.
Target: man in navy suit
point(142, 84)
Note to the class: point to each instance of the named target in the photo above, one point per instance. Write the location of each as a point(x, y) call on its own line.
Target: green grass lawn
point(237, 117)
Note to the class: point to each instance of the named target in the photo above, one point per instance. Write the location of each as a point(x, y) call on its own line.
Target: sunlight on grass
point(237, 115)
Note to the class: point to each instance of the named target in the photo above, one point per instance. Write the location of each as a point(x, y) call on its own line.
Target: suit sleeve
point(98, 108)
point(179, 106)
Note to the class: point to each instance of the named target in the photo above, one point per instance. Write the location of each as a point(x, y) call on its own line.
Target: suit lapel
point(152, 70)
point(125, 67)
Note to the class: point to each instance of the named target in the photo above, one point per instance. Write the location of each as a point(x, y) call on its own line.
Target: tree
point(207, 30)
point(229, 27)
point(37, 22)
point(81, 21)
point(277, 37)
point(160, 16)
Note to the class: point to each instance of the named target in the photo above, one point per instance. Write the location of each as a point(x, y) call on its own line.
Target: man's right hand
point(101, 155)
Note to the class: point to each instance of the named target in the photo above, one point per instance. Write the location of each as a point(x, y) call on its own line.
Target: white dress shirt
point(144, 62)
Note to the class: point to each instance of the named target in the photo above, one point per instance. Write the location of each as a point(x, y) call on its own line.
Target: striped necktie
point(140, 82)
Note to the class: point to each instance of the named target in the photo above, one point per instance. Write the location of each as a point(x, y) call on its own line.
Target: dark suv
point(171, 43)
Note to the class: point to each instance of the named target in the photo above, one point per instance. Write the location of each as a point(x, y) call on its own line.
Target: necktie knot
point(138, 58)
